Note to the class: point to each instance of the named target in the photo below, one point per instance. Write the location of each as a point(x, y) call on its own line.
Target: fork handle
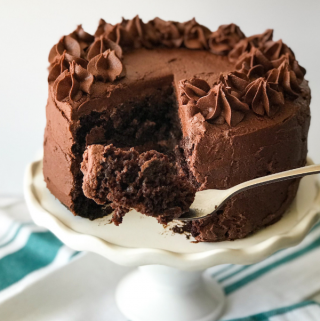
point(293, 173)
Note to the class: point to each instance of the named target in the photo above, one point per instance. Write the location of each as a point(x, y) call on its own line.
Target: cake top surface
point(222, 75)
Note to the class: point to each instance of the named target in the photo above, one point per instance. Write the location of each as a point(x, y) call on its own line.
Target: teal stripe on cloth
point(253, 276)
point(39, 251)
point(15, 234)
point(225, 269)
point(243, 268)
point(265, 316)
point(74, 254)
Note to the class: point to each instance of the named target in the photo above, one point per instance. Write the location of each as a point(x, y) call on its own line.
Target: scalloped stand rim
point(162, 293)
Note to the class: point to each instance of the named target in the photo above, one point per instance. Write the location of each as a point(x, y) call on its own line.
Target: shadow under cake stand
point(170, 283)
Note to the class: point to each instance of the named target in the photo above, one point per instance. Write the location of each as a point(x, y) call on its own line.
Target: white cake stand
point(169, 284)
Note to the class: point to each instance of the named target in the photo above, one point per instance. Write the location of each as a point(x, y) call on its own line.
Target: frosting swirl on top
point(72, 84)
point(103, 28)
point(57, 68)
point(220, 106)
point(235, 95)
point(294, 65)
point(264, 68)
point(170, 33)
point(286, 78)
point(61, 63)
point(222, 41)
point(66, 44)
point(195, 35)
point(106, 66)
point(275, 49)
point(254, 63)
point(84, 39)
point(193, 89)
point(236, 81)
point(262, 99)
point(102, 44)
point(68, 48)
point(143, 35)
point(117, 33)
point(246, 44)
point(217, 105)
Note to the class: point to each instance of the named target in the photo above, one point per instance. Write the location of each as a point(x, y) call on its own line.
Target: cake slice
point(147, 182)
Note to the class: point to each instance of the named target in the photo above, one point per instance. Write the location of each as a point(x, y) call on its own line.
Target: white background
point(28, 29)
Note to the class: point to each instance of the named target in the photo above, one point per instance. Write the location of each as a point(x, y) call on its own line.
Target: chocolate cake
point(143, 115)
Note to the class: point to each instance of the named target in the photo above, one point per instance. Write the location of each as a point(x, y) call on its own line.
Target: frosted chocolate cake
point(143, 115)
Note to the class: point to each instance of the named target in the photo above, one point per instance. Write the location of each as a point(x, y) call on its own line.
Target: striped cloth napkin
point(42, 279)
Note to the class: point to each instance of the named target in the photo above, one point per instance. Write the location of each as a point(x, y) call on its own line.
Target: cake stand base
point(159, 293)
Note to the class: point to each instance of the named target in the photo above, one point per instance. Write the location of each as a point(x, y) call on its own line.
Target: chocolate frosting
point(222, 41)
point(236, 81)
point(246, 44)
point(275, 49)
point(262, 99)
point(67, 45)
point(64, 85)
point(106, 66)
point(220, 106)
point(57, 68)
point(193, 89)
point(81, 75)
point(229, 99)
point(195, 35)
point(285, 78)
point(83, 38)
point(254, 63)
point(294, 65)
point(170, 33)
point(259, 57)
point(100, 45)
point(117, 33)
point(103, 27)
point(217, 105)
point(143, 35)
point(72, 84)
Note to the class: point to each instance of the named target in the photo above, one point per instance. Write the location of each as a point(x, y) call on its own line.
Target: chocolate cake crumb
point(147, 182)
point(185, 228)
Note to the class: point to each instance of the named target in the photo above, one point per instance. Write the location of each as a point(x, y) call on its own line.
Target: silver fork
point(209, 201)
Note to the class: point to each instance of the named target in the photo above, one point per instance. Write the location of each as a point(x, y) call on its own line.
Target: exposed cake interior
point(149, 124)
point(148, 182)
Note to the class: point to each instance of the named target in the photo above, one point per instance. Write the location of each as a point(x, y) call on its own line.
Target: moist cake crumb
point(147, 182)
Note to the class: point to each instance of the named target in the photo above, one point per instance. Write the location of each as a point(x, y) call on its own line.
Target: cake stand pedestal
point(170, 283)
point(157, 292)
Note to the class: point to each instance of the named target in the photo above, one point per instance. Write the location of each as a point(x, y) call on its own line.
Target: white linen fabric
point(42, 279)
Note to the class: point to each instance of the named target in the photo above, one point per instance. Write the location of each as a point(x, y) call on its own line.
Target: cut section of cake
point(147, 182)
